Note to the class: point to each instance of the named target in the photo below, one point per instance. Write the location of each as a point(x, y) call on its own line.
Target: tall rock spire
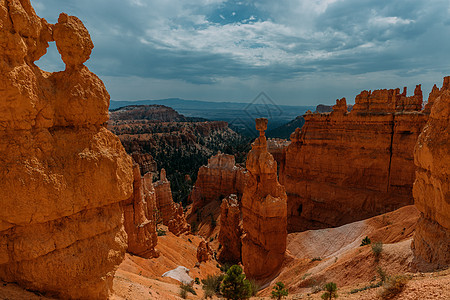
point(264, 211)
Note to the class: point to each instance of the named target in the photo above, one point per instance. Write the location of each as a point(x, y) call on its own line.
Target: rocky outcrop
point(171, 213)
point(342, 167)
point(432, 186)
point(388, 101)
point(277, 147)
point(139, 216)
point(204, 252)
point(146, 162)
point(230, 230)
point(63, 174)
point(263, 212)
point(220, 178)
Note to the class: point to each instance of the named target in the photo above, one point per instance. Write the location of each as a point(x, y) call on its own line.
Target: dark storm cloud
point(209, 42)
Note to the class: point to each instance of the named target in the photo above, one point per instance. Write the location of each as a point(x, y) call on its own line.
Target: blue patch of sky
point(235, 11)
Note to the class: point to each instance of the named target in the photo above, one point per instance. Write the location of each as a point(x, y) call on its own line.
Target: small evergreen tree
point(279, 291)
point(330, 291)
point(365, 241)
point(234, 286)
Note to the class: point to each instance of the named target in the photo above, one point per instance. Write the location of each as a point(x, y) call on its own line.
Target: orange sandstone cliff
point(220, 178)
point(432, 186)
point(263, 212)
point(62, 172)
point(343, 167)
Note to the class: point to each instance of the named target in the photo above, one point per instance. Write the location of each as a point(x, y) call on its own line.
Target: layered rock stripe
point(342, 167)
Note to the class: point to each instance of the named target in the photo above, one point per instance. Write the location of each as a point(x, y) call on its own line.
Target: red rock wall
point(220, 178)
point(62, 173)
point(171, 213)
point(432, 186)
point(263, 212)
point(342, 167)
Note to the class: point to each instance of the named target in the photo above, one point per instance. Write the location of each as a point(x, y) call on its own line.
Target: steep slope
point(334, 254)
point(63, 173)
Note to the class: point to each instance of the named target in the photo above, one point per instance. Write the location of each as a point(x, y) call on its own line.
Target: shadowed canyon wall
point(263, 212)
point(343, 167)
point(230, 230)
point(171, 213)
point(220, 178)
point(139, 216)
point(432, 186)
point(63, 174)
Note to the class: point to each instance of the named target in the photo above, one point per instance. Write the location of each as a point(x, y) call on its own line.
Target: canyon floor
point(313, 258)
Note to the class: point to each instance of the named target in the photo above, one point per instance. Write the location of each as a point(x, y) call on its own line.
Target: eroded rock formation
point(343, 167)
point(432, 186)
point(171, 213)
point(63, 173)
point(204, 252)
point(230, 230)
point(220, 178)
point(139, 216)
point(263, 211)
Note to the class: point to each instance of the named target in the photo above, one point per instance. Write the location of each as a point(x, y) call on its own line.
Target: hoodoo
point(263, 211)
point(63, 174)
point(139, 216)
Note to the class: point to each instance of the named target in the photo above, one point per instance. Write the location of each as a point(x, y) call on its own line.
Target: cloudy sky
point(300, 52)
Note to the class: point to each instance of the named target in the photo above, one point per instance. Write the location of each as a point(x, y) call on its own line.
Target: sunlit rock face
point(347, 166)
point(432, 186)
point(263, 212)
point(62, 172)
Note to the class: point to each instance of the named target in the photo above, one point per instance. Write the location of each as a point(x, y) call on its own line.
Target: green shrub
point(234, 285)
point(225, 267)
point(197, 280)
point(365, 241)
point(316, 259)
point(279, 291)
point(330, 291)
point(377, 248)
point(184, 289)
point(211, 285)
point(183, 293)
point(254, 287)
point(371, 286)
point(161, 232)
point(382, 274)
point(394, 286)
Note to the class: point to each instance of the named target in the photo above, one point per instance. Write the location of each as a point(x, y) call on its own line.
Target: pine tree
point(279, 291)
point(234, 286)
